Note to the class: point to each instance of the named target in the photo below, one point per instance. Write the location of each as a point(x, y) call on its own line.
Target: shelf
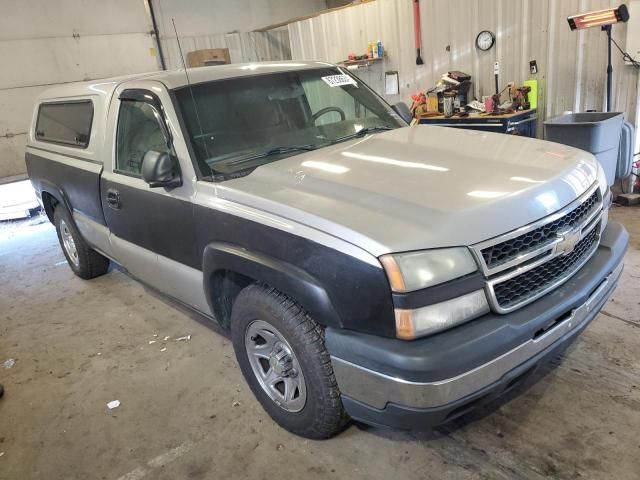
point(362, 63)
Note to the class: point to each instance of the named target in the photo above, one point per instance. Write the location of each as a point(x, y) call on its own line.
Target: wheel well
point(49, 203)
point(225, 287)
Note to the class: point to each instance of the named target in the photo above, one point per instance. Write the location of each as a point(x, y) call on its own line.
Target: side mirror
point(402, 109)
point(161, 170)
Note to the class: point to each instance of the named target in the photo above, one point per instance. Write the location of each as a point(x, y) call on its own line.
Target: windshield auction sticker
point(339, 80)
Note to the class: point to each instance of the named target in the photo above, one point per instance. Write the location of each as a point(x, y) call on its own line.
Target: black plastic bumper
point(454, 353)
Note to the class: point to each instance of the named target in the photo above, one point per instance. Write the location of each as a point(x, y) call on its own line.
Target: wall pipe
point(156, 33)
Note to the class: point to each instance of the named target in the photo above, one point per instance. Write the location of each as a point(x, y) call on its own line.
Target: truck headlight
point(415, 270)
point(411, 324)
point(412, 271)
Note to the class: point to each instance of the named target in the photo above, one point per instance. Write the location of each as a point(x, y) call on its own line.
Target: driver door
point(151, 229)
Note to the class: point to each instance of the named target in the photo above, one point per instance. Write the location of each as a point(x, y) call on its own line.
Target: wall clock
point(485, 40)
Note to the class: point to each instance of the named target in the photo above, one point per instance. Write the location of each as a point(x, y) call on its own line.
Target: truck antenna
point(193, 98)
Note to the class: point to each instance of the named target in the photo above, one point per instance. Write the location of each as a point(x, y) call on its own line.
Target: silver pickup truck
point(366, 269)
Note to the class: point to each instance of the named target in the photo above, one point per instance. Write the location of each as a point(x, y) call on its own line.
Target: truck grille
point(526, 285)
point(523, 265)
point(495, 255)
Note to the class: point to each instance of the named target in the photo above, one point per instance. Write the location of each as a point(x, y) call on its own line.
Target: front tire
point(83, 260)
point(282, 355)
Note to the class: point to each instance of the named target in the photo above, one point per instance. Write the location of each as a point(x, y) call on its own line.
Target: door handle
point(113, 198)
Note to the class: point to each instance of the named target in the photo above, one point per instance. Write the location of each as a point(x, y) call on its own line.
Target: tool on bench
point(520, 98)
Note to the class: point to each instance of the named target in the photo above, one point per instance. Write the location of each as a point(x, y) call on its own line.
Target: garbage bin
point(595, 132)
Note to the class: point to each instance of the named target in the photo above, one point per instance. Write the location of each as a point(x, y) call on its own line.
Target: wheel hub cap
point(69, 243)
point(275, 366)
point(280, 361)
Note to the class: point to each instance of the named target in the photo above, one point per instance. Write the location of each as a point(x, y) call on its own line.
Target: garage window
point(66, 123)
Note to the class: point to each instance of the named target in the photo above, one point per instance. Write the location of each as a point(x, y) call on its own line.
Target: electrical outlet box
point(633, 30)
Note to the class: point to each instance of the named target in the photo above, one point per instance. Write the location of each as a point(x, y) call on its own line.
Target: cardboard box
point(208, 56)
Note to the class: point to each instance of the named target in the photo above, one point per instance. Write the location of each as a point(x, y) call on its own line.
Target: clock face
point(485, 40)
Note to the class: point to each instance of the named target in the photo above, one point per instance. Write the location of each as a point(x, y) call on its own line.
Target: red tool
point(416, 26)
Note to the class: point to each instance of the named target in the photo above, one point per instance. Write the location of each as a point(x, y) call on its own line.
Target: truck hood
point(419, 187)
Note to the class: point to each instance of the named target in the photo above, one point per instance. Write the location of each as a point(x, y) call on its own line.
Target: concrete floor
point(186, 412)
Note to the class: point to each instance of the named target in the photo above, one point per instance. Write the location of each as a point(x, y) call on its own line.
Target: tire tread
point(91, 263)
point(331, 417)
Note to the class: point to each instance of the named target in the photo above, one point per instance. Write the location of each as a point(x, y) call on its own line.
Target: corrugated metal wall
point(571, 65)
point(243, 46)
point(229, 24)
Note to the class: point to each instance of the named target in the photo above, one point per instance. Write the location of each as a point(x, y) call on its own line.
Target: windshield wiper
point(272, 151)
point(362, 132)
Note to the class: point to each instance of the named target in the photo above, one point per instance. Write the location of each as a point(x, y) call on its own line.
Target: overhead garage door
point(47, 43)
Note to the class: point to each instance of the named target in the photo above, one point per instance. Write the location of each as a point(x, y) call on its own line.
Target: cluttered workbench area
point(452, 101)
point(512, 110)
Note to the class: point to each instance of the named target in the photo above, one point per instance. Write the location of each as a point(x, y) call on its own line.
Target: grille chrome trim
point(489, 288)
point(478, 247)
point(539, 255)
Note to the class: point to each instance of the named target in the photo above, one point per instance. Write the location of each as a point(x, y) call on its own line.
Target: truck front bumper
point(426, 382)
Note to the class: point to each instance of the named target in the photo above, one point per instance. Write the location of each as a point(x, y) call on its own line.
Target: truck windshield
point(244, 122)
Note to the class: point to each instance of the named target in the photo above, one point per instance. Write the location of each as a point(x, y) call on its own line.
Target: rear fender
point(57, 194)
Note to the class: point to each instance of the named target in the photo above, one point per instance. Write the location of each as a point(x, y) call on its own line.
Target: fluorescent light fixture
point(549, 200)
point(395, 163)
point(599, 18)
point(324, 166)
point(525, 180)
point(555, 154)
point(486, 194)
point(255, 66)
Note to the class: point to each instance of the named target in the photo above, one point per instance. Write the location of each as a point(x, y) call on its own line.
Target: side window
point(138, 132)
point(65, 123)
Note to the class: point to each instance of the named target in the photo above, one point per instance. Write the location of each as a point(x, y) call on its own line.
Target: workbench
point(522, 122)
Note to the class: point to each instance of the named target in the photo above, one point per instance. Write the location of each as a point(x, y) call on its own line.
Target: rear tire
point(83, 260)
point(266, 321)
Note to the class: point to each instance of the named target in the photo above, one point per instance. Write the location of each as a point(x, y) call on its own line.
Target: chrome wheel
point(275, 366)
point(68, 243)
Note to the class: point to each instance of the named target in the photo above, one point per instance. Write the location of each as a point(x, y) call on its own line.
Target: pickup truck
point(397, 275)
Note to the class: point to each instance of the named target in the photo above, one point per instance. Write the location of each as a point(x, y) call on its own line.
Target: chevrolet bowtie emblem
point(569, 238)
